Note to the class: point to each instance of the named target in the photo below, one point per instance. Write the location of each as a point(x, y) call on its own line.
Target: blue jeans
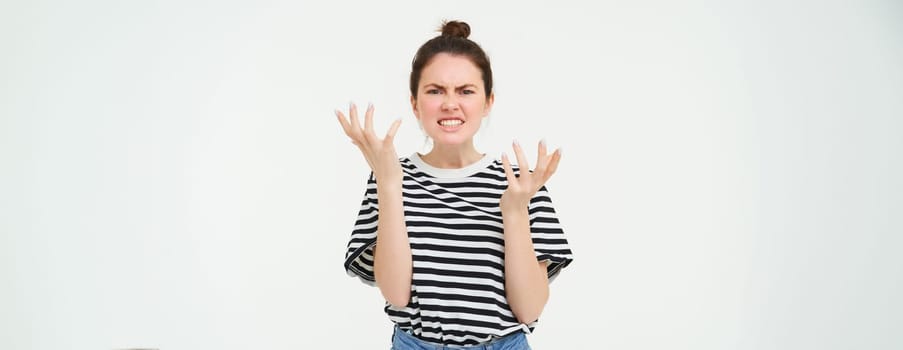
point(402, 340)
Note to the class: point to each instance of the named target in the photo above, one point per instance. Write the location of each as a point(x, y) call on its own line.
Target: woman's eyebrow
point(443, 87)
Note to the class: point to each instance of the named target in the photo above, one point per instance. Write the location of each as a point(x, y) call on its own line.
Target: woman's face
point(451, 101)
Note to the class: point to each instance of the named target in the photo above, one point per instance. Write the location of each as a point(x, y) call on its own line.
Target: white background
point(173, 175)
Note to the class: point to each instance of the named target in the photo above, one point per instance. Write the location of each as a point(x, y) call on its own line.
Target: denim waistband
point(402, 340)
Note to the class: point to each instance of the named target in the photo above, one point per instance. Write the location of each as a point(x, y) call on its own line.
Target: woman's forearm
point(392, 256)
point(526, 280)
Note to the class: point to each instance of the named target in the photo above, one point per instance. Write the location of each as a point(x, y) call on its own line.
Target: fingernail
point(516, 143)
point(559, 151)
point(542, 142)
point(337, 113)
point(369, 105)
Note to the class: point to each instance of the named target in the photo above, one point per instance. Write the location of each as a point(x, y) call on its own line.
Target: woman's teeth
point(451, 122)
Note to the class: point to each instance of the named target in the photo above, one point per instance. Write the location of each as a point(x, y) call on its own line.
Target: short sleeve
point(359, 255)
point(549, 241)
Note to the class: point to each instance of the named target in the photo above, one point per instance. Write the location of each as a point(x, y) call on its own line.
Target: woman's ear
point(414, 107)
point(489, 102)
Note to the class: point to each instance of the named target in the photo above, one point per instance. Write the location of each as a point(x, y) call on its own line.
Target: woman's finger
point(509, 173)
point(369, 133)
point(355, 124)
point(553, 164)
point(521, 160)
point(541, 152)
point(390, 135)
point(542, 159)
point(343, 122)
point(354, 135)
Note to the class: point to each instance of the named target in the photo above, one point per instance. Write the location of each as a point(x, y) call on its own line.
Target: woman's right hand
point(379, 153)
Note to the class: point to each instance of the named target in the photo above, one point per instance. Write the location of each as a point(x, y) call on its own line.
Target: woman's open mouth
point(450, 124)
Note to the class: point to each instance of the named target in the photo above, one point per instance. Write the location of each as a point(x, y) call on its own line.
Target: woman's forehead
point(451, 71)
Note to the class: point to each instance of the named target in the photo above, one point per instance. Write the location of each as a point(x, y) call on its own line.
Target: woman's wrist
point(388, 187)
point(515, 211)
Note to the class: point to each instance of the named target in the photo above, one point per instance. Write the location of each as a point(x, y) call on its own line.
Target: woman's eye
point(468, 92)
point(432, 91)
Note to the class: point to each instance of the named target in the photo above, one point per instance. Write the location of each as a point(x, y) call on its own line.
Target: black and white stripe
point(457, 244)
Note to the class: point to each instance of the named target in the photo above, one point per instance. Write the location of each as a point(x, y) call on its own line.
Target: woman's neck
point(450, 157)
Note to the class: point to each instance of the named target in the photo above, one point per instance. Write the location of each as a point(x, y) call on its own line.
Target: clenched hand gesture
point(379, 153)
point(522, 188)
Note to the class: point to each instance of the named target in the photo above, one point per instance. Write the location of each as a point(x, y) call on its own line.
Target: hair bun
point(455, 29)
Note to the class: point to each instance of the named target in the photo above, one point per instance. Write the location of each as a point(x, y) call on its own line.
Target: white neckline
point(451, 173)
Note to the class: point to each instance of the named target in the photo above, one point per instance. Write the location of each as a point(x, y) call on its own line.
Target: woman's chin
point(452, 139)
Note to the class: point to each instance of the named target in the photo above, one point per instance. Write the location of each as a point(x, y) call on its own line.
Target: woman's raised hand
point(379, 153)
point(522, 188)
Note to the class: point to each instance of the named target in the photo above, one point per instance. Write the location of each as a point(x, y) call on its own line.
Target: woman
point(462, 246)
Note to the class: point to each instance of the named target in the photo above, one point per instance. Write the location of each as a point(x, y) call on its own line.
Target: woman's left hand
point(522, 188)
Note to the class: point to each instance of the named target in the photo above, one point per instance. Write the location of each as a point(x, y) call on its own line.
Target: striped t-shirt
point(457, 241)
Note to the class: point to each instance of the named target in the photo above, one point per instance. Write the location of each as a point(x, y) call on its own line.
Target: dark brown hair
point(453, 40)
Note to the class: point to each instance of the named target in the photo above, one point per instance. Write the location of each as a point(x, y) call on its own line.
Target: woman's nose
point(449, 104)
